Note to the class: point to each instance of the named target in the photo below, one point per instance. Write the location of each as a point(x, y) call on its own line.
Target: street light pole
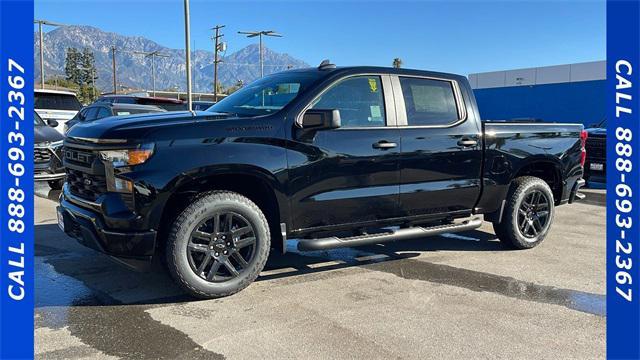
point(41, 56)
point(113, 65)
point(261, 57)
point(152, 55)
point(259, 34)
point(40, 23)
point(187, 40)
point(153, 74)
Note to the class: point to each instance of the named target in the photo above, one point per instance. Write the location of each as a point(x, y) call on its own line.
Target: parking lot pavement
point(453, 296)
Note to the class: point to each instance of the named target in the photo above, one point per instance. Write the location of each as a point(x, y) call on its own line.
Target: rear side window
point(359, 100)
point(56, 101)
point(429, 102)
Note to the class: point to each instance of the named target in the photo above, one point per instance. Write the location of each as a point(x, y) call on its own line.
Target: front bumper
point(82, 222)
point(49, 170)
point(44, 176)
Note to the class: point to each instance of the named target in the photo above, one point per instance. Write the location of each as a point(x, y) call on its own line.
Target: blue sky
point(454, 36)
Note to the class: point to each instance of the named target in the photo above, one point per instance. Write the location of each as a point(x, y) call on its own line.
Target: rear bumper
point(133, 249)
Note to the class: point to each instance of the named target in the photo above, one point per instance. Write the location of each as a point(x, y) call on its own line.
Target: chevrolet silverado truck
point(328, 156)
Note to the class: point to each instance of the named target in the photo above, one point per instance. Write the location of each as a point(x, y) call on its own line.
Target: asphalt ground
point(458, 296)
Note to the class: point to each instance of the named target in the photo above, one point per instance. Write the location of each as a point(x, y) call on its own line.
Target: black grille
point(41, 155)
point(79, 157)
point(596, 148)
point(85, 185)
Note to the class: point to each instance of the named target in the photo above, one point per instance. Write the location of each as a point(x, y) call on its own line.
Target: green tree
point(88, 66)
point(71, 63)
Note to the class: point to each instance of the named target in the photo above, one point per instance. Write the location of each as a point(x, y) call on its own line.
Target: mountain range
point(134, 70)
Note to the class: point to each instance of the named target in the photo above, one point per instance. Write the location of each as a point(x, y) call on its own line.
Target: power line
point(218, 46)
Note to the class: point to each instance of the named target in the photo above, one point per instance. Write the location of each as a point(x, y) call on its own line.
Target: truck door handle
point(467, 142)
point(384, 144)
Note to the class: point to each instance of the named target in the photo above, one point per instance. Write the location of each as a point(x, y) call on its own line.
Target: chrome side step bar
point(400, 234)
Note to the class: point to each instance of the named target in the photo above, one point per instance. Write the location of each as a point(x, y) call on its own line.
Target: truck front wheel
point(528, 213)
point(218, 245)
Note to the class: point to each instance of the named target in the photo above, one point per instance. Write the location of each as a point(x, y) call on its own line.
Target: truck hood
point(135, 126)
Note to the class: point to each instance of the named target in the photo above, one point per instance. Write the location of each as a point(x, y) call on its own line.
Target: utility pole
point(152, 55)
point(113, 65)
point(187, 40)
point(259, 34)
point(218, 46)
point(40, 23)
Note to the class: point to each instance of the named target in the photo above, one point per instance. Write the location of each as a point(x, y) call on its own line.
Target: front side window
point(429, 102)
point(359, 99)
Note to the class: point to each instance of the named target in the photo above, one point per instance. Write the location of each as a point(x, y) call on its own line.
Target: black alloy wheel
point(528, 213)
point(218, 244)
point(221, 247)
point(533, 214)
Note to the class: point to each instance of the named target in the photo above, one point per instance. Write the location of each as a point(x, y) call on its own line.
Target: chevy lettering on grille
point(78, 156)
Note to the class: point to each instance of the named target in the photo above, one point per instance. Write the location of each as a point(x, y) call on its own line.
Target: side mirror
point(52, 123)
point(321, 119)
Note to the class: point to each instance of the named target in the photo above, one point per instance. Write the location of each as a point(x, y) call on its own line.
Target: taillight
point(583, 141)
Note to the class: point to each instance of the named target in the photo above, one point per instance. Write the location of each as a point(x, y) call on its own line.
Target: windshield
point(265, 96)
point(37, 120)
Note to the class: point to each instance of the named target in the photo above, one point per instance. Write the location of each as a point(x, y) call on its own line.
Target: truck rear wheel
point(528, 213)
point(218, 245)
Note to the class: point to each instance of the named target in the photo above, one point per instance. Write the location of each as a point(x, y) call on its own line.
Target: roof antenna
point(326, 65)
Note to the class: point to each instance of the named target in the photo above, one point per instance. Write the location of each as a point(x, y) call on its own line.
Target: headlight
point(129, 157)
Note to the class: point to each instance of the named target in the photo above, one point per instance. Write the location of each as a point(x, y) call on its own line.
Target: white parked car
point(56, 105)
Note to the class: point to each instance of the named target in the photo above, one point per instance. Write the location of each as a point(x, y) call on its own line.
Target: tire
point(195, 228)
point(56, 184)
point(526, 221)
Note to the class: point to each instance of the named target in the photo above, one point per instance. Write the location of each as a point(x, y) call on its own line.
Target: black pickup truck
point(330, 156)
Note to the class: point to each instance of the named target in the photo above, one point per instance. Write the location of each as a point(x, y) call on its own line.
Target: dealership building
point(564, 93)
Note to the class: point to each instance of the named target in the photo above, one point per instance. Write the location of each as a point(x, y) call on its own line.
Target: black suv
point(334, 157)
point(47, 152)
point(102, 110)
